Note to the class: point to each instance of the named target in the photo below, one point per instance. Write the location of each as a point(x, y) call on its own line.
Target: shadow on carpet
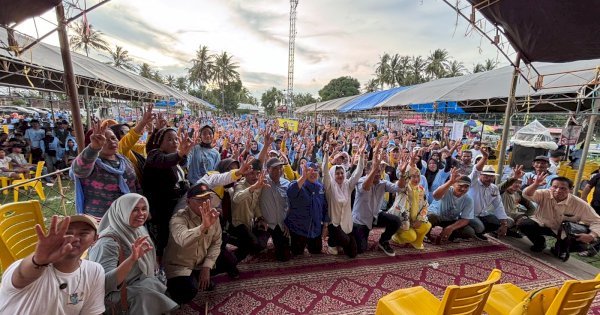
point(326, 284)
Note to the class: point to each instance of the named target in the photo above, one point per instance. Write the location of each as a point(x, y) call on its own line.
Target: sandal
point(588, 253)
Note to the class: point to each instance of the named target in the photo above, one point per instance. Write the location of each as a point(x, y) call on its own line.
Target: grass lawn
point(594, 261)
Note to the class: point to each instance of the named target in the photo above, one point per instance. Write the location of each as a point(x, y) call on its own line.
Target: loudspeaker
point(524, 156)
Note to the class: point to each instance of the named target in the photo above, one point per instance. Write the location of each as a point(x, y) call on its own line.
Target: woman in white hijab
point(338, 193)
point(127, 254)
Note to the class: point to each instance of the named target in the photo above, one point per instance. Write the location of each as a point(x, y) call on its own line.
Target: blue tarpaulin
point(370, 100)
point(442, 107)
point(165, 103)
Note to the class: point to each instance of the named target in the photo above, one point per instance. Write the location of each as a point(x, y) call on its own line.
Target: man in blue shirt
point(367, 204)
point(541, 164)
point(308, 213)
point(274, 207)
point(452, 208)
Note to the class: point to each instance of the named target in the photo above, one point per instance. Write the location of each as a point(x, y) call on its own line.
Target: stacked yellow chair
point(464, 300)
point(574, 298)
point(36, 184)
point(17, 230)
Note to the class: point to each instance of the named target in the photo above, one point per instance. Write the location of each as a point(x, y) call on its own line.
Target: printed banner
point(457, 130)
point(290, 123)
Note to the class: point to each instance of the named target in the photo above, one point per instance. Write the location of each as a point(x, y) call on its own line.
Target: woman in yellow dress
point(411, 206)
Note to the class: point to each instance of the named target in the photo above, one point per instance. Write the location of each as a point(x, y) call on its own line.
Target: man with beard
point(203, 158)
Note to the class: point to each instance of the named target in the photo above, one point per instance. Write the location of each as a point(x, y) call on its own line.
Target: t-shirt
point(452, 208)
point(85, 287)
point(5, 162)
point(35, 136)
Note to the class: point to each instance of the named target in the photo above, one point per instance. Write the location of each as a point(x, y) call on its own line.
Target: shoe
point(387, 249)
point(537, 249)
point(514, 234)
point(234, 274)
point(332, 250)
point(564, 256)
point(50, 184)
point(481, 237)
point(588, 253)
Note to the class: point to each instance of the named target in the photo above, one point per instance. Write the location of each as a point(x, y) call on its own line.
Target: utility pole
point(292, 48)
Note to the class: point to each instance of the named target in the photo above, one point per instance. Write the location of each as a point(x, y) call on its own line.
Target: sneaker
point(481, 237)
point(588, 253)
point(387, 249)
point(564, 256)
point(332, 250)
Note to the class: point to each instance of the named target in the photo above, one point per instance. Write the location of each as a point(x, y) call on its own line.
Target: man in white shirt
point(54, 279)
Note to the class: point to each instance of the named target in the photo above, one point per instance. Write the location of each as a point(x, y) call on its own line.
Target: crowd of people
point(166, 204)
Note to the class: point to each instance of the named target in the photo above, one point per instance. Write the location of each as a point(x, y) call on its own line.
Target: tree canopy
point(340, 87)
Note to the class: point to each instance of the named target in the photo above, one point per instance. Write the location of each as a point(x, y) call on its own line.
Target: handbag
point(122, 307)
point(567, 236)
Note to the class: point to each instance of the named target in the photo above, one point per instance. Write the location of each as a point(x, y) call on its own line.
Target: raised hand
point(540, 179)
point(261, 182)
point(140, 247)
point(161, 122)
point(148, 115)
point(485, 153)
point(454, 175)
point(209, 215)
point(245, 165)
point(98, 137)
point(518, 172)
point(185, 145)
point(405, 161)
point(56, 244)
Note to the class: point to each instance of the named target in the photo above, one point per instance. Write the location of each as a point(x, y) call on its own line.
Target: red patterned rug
point(326, 284)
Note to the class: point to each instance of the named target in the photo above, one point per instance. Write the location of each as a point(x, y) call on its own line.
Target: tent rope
point(528, 101)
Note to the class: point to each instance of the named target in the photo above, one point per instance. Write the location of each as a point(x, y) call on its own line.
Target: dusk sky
point(334, 37)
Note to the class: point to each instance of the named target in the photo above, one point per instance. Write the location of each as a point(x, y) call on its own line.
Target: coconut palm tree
point(146, 70)
point(202, 68)
point(490, 64)
point(403, 72)
point(224, 70)
point(156, 76)
point(417, 68)
point(437, 63)
point(120, 59)
point(382, 72)
point(181, 84)
point(455, 69)
point(371, 85)
point(170, 80)
point(86, 38)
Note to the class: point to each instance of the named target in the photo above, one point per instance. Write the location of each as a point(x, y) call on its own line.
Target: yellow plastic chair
point(17, 230)
point(36, 184)
point(574, 298)
point(4, 182)
point(463, 300)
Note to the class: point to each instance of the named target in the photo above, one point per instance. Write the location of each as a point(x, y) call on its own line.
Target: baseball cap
point(541, 158)
point(273, 162)
point(274, 152)
point(83, 218)
point(312, 165)
point(464, 180)
point(199, 190)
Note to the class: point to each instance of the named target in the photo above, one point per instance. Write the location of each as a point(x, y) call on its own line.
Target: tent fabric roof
point(549, 30)
point(18, 11)
point(48, 57)
point(369, 100)
point(250, 107)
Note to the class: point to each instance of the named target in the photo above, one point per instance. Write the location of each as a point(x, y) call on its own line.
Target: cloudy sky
point(334, 37)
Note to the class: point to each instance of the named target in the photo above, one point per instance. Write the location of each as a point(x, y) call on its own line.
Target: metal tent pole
point(586, 146)
point(70, 86)
point(507, 113)
point(86, 99)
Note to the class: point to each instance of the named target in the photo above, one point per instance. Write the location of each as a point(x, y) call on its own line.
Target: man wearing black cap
point(61, 133)
point(54, 279)
point(194, 245)
point(204, 157)
point(452, 208)
point(247, 222)
point(541, 163)
point(274, 207)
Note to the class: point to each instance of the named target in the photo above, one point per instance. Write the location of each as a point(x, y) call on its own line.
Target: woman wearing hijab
point(411, 207)
point(435, 175)
point(122, 234)
point(101, 174)
point(164, 181)
point(338, 191)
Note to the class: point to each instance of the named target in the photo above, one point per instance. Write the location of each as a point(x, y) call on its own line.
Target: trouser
point(299, 243)
point(361, 232)
point(36, 155)
point(184, 288)
point(413, 236)
point(485, 224)
point(281, 242)
point(248, 241)
point(158, 225)
point(535, 233)
point(464, 232)
point(337, 237)
point(50, 162)
point(226, 262)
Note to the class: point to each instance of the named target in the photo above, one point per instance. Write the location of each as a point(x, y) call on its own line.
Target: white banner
point(458, 128)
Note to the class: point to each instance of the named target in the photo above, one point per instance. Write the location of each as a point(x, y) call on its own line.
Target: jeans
point(484, 224)
point(361, 232)
point(464, 232)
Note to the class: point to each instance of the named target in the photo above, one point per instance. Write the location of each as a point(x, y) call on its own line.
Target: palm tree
point(121, 59)
point(417, 68)
point(156, 76)
point(455, 69)
point(181, 84)
point(201, 71)
point(225, 70)
point(146, 71)
point(437, 63)
point(371, 85)
point(403, 72)
point(382, 72)
point(394, 70)
point(86, 37)
point(170, 80)
point(490, 64)
point(478, 68)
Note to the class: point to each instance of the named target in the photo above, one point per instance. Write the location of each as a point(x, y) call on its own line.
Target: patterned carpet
point(326, 284)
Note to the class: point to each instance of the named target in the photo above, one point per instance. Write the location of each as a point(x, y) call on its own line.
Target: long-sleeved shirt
point(307, 209)
point(367, 204)
point(533, 176)
point(188, 248)
point(550, 213)
point(245, 205)
point(341, 213)
point(486, 199)
point(512, 201)
point(274, 202)
point(201, 161)
point(452, 208)
point(127, 145)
